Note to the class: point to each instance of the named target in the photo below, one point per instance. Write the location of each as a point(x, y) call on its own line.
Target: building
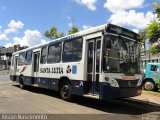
point(148, 58)
point(6, 54)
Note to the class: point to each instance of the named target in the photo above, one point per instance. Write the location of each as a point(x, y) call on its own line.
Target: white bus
point(101, 62)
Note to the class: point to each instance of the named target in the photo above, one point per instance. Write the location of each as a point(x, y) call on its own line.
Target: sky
point(24, 22)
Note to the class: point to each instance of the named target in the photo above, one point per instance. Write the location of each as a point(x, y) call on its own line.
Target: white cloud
point(90, 4)
point(120, 5)
point(31, 38)
point(8, 45)
point(84, 27)
point(135, 30)
point(3, 36)
point(13, 26)
point(138, 20)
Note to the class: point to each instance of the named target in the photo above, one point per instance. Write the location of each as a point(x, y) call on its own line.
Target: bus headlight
point(114, 83)
point(139, 82)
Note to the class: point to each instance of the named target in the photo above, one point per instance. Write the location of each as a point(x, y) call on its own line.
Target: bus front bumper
point(109, 92)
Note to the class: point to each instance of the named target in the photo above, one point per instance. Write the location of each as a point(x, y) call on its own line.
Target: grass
point(151, 93)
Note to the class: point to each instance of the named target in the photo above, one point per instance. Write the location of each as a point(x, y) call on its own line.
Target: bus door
point(93, 67)
point(36, 65)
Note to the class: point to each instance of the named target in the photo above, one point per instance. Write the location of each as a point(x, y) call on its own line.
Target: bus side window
point(43, 55)
point(21, 60)
point(54, 53)
point(72, 50)
point(28, 58)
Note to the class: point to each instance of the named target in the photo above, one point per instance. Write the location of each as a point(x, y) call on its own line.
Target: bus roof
point(106, 27)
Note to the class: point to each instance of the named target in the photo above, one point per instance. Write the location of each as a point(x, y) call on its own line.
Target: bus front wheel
point(148, 85)
point(66, 91)
point(21, 83)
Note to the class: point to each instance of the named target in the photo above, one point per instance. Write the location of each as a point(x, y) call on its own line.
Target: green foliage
point(73, 30)
point(153, 32)
point(142, 35)
point(53, 34)
point(157, 8)
point(155, 49)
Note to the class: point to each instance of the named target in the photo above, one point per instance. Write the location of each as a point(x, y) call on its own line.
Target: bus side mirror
point(108, 43)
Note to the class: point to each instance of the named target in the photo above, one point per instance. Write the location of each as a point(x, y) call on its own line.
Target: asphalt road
point(33, 100)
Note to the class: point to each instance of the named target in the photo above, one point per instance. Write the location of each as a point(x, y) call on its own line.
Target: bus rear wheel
point(66, 91)
point(149, 85)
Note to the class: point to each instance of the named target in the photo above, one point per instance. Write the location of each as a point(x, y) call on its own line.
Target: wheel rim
point(65, 90)
point(149, 86)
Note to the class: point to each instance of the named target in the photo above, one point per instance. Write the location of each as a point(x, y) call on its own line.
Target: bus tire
point(66, 91)
point(21, 83)
point(149, 85)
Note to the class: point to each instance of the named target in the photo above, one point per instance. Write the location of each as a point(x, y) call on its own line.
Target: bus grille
point(127, 83)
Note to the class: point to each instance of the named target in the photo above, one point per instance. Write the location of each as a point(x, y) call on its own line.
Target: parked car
point(151, 77)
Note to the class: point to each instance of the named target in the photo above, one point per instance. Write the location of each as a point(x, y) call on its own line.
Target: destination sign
point(121, 31)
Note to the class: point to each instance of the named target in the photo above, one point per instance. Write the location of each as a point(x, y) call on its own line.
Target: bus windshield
point(121, 55)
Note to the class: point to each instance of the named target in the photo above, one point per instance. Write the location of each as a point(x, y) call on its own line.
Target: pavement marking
point(5, 82)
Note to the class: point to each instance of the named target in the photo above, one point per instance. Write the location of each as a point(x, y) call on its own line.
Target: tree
point(153, 31)
point(74, 29)
point(53, 34)
point(142, 35)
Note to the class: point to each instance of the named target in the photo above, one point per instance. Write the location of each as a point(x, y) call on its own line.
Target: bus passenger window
point(28, 59)
point(21, 59)
point(54, 53)
point(43, 55)
point(72, 51)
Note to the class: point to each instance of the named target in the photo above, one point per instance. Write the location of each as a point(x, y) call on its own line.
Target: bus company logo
point(68, 70)
point(57, 70)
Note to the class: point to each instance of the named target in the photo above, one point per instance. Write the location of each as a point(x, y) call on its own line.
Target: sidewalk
point(147, 98)
point(4, 72)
